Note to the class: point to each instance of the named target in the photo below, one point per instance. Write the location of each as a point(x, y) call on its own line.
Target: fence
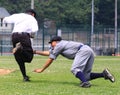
point(102, 40)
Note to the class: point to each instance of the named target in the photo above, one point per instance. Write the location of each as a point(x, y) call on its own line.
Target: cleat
point(108, 75)
point(17, 47)
point(26, 79)
point(85, 84)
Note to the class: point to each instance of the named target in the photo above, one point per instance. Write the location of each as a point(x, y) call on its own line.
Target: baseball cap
point(55, 38)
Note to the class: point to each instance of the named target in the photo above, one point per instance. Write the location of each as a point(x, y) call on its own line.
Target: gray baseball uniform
point(82, 54)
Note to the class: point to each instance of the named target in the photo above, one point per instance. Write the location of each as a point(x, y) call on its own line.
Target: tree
point(66, 11)
point(105, 15)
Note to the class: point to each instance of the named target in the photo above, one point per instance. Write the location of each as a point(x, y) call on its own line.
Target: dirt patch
point(5, 71)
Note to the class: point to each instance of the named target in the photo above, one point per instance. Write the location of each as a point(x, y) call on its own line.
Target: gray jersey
point(66, 48)
point(83, 57)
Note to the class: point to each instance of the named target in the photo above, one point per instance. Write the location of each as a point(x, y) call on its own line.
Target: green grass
point(57, 79)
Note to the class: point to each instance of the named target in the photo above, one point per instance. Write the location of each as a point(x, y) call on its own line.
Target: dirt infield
point(5, 71)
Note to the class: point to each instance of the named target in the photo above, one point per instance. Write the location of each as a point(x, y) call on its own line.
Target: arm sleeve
point(9, 19)
point(56, 51)
point(34, 25)
point(34, 28)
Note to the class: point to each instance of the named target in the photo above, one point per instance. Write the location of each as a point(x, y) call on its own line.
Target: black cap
point(55, 38)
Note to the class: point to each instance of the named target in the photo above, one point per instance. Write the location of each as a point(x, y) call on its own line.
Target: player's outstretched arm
point(46, 65)
point(44, 53)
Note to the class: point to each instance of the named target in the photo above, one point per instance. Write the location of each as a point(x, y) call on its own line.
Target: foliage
point(106, 11)
point(67, 11)
point(15, 6)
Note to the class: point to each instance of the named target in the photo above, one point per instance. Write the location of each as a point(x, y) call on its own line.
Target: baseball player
point(25, 27)
point(83, 59)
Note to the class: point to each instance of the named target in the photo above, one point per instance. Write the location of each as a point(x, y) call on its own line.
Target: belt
point(80, 47)
point(21, 33)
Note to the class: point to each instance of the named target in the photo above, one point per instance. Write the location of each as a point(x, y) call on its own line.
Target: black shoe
point(26, 79)
point(108, 75)
point(17, 47)
point(85, 84)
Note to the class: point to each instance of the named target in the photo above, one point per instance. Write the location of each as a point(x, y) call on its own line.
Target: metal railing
point(103, 39)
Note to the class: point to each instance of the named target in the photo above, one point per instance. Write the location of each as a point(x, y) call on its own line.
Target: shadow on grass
point(55, 82)
point(61, 82)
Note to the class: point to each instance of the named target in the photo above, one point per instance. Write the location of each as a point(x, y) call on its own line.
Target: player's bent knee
point(73, 71)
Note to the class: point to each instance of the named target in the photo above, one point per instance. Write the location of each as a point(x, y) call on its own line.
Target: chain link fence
point(102, 40)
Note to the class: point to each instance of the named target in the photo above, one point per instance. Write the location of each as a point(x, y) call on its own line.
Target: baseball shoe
point(17, 47)
point(26, 79)
point(108, 75)
point(85, 84)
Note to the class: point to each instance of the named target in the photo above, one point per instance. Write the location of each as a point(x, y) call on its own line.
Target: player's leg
point(27, 48)
point(17, 38)
point(22, 67)
point(105, 74)
point(96, 75)
point(79, 65)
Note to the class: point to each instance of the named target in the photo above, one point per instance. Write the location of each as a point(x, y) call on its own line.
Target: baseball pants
point(26, 54)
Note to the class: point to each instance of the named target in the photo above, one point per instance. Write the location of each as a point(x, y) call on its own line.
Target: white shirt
point(22, 23)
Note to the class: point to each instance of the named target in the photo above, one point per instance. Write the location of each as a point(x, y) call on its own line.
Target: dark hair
point(55, 38)
point(31, 11)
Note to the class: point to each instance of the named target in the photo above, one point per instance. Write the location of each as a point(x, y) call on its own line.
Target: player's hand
point(38, 70)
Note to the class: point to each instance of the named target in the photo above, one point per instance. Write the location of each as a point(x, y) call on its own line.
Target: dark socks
point(22, 69)
point(96, 75)
point(81, 76)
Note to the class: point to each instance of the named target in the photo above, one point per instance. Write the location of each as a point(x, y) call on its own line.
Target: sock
point(81, 76)
point(96, 75)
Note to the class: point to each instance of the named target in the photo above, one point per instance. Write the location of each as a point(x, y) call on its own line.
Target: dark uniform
point(25, 24)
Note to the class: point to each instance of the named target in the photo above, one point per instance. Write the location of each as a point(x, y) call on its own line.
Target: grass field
point(57, 79)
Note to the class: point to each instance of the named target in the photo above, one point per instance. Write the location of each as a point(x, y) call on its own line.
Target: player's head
point(31, 12)
point(55, 38)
